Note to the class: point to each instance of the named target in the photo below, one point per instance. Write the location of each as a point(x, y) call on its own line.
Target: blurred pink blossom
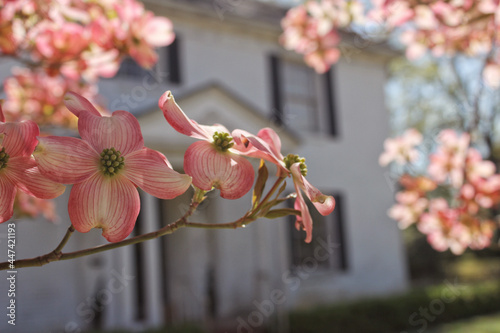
point(401, 149)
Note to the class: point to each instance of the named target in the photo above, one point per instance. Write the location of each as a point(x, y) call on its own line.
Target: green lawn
point(479, 324)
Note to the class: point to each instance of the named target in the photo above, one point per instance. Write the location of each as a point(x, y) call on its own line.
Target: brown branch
point(198, 197)
point(168, 229)
point(57, 255)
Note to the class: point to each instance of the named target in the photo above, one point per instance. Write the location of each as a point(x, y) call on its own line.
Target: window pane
point(299, 97)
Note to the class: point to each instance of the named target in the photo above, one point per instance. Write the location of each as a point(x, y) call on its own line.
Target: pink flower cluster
point(311, 29)
point(68, 45)
point(439, 26)
point(401, 149)
point(110, 161)
point(82, 38)
point(30, 206)
point(217, 161)
point(445, 28)
point(452, 203)
point(39, 97)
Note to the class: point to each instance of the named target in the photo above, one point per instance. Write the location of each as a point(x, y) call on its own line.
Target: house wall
point(231, 53)
point(247, 268)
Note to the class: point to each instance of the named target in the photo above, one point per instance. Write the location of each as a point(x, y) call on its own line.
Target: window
point(172, 61)
point(326, 251)
point(300, 105)
point(301, 99)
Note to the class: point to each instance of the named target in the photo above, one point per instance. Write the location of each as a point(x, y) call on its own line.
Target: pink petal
point(23, 172)
point(273, 140)
point(66, 160)
point(150, 170)
point(120, 131)
point(230, 173)
point(7, 193)
point(491, 75)
point(2, 117)
point(159, 31)
point(250, 145)
point(304, 221)
point(212, 129)
point(178, 119)
point(77, 103)
point(110, 203)
point(325, 204)
point(20, 138)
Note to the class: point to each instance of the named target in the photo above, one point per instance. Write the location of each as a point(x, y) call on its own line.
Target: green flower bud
point(222, 141)
point(111, 161)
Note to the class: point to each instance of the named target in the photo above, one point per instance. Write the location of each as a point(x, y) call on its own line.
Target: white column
point(151, 260)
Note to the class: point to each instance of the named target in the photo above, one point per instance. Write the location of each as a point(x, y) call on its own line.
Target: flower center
point(4, 158)
point(111, 161)
point(291, 159)
point(222, 141)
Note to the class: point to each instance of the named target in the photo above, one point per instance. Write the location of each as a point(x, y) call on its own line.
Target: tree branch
point(198, 197)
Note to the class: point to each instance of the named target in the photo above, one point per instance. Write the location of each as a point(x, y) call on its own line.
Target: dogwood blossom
point(18, 169)
point(267, 145)
point(450, 206)
point(211, 162)
point(69, 45)
point(311, 29)
point(442, 28)
point(401, 149)
point(448, 162)
point(106, 166)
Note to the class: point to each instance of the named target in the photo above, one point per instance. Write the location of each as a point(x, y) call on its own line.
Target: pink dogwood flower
point(106, 166)
point(325, 204)
point(142, 31)
point(443, 228)
point(30, 206)
point(18, 169)
point(211, 162)
point(267, 145)
point(410, 206)
point(476, 167)
point(401, 149)
point(448, 162)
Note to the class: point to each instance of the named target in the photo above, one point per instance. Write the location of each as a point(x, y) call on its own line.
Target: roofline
point(264, 18)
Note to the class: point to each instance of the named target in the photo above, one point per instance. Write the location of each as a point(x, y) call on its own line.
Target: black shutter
point(340, 224)
point(173, 62)
point(330, 103)
point(277, 104)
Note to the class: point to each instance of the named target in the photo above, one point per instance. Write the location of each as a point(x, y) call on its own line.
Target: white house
point(227, 67)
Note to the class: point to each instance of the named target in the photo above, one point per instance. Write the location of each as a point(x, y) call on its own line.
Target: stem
point(65, 239)
point(240, 223)
point(270, 193)
point(168, 229)
point(57, 255)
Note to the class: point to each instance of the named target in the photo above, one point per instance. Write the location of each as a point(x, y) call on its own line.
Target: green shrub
point(444, 303)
